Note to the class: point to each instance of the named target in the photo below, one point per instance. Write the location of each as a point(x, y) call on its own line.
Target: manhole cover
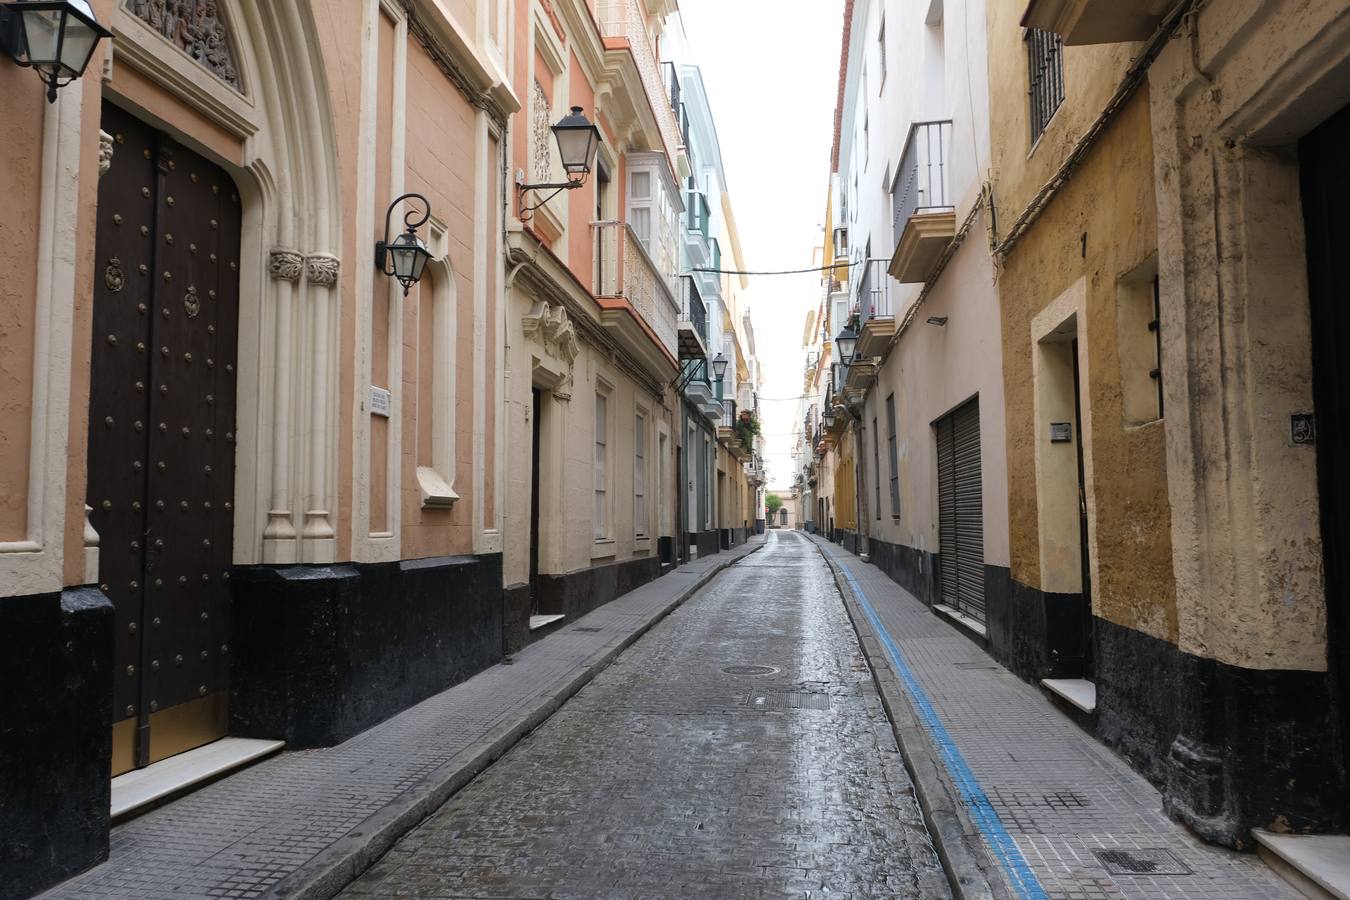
point(749, 670)
point(1148, 861)
point(788, 700)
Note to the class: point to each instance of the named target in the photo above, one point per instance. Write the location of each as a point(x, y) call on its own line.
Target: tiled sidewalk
point(1068, 804)
point(303, 824)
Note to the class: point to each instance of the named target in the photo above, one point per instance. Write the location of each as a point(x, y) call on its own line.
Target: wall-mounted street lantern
point(407, 256)
point(847, 341)
point(719, 367)
point(55, 37)
point(578, 143)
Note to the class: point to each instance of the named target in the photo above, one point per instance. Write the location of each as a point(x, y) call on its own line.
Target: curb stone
point(973, 875)
point(330, 871)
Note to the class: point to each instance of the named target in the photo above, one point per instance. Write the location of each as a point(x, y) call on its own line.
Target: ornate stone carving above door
point(197, 28)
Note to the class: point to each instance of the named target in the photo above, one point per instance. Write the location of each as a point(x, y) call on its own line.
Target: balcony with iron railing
point(698, 388)
point(671, 76)
point(623, 26)
point(876, 315)
point(922, 204)
point(693, 321)
point(636, 299)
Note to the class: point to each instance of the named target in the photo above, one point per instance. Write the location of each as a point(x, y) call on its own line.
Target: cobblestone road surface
point(669, 776)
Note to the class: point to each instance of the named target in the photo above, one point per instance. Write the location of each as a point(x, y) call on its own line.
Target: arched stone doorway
point(236, 89)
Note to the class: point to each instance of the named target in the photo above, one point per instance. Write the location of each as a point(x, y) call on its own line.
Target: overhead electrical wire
point(816, 269)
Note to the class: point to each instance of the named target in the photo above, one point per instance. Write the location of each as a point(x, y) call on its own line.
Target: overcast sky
point(771, 68)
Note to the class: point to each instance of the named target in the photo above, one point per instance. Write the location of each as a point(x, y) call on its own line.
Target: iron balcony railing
point(692, 307)
point(624, 19)
point(874, 290)
point(672, 79)
point(921, 182)
point(697, 372)
point(728, 413)
point(624, 269)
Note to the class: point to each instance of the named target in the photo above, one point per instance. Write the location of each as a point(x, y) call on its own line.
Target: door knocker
point(113, 279)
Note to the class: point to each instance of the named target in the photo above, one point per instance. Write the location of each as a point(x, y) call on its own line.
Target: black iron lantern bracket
point(407, 256)
point(65, 35)
point(578, 142)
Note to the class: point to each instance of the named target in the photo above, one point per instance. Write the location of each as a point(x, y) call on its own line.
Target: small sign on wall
point(1061, 433)
point(381, 401)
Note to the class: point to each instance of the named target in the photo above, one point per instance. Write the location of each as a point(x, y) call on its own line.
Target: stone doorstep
point(140, 789)
point(1078, 691)
point(1317, 864)
point(967, 622)
point(537, 622)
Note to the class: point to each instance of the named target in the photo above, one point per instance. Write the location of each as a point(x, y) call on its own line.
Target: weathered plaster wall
point(1229, 107)
point(931, 370)
point(1100, 227)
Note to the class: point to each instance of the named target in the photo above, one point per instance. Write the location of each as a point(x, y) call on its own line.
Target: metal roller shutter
point(960, 511)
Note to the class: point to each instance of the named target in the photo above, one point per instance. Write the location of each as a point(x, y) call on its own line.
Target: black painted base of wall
point(515, 617)
point(912, 569)
point(1231, 748)
point(55, 737)
point(706, 542)
point(577, 593)
point(325, 652)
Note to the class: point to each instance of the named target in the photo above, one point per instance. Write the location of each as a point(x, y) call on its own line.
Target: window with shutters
point(601, 514)
point(895, 459)
point(640, 475)
point(1045, 77)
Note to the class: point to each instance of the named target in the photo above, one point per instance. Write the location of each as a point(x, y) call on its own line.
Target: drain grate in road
point(1147, 861)
point(589, 629)
point(749, 670)
point(787, 700)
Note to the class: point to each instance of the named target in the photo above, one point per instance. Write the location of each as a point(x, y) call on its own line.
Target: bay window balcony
point(1097, 21)
point(624, 28)
point(923, 207)
point(635, 298)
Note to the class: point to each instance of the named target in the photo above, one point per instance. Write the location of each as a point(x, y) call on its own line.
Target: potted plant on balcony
point(747, 428)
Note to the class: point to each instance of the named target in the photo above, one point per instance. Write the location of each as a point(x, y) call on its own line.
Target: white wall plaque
point(380, 401)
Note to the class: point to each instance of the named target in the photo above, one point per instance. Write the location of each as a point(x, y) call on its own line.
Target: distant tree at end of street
point(772, 502)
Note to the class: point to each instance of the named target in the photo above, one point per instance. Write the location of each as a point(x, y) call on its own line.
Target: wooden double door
point(161, 435)
point(1325, 174)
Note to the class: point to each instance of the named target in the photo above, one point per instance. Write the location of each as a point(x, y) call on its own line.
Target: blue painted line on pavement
point(1024, 881)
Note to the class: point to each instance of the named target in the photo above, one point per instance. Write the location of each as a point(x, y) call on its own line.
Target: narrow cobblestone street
point(670, 776)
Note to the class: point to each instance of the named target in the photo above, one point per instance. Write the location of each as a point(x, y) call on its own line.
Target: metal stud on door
point(161, 460)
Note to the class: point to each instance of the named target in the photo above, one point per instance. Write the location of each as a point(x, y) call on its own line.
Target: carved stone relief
point(105, 153)
point(551, 327)
point(322, 269)
point(285, 265)
point(541, 134)
point(195, 27)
